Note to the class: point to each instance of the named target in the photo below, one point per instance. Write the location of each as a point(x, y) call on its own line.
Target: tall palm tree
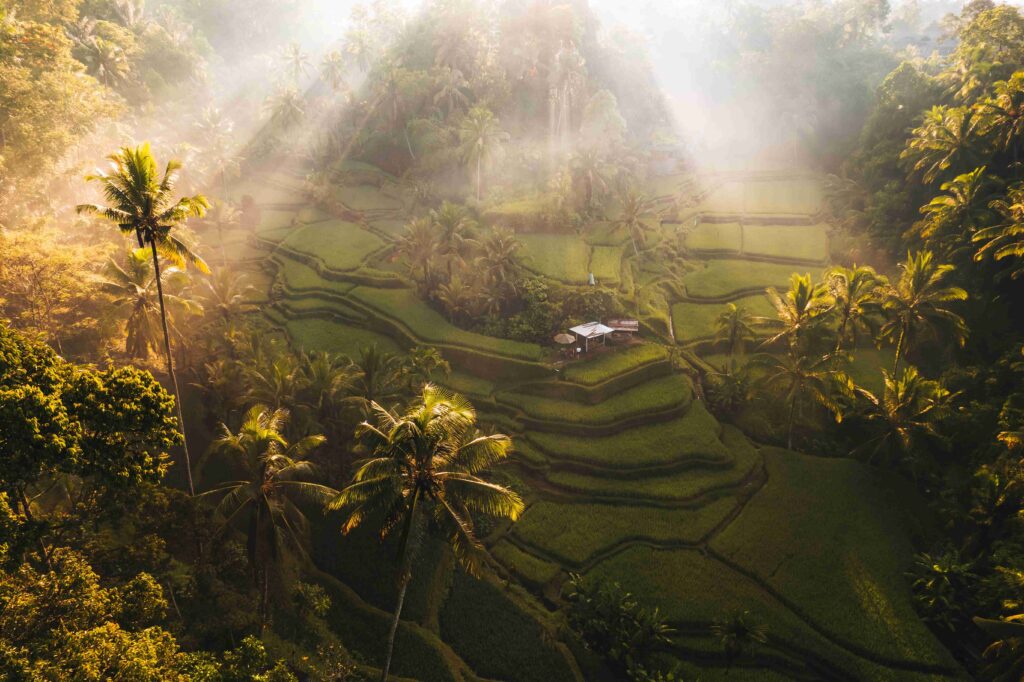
point(636, 211)
point(1005, 240)
point(905, 412)
point(426, 464)
point(377, 377)
point(801, 377)
point(223, 215)
point(949, 141)
point(132, 290)
point(458, 297)
point(590, 172)
point(276, 474)
point(952, 218)
point(420, 246)
point(107, 61)
point(294, 62)
point(226, 293)
point(734, 327)
point(284, 108)
point(799, 312)
point(140, 203)
point(498, 260)
point(327, 381)
point(1004, 117)
point(480, 139)
point(452, 90)
point(424, 362)
point(393, 101)
point(916, 304)
point(455, 228)
point(332, 71)
point(273, 380)
point(855, 295)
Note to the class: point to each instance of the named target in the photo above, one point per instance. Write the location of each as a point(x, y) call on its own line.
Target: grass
point(694, 436)
point(366, 198)
point(263, 192)
point(683, 485)
point(496, 637)
point(715, 237)
point(801, 242)
point(606, 264)
point(837, 518)
point(394, 228)
point(722, 277)
point(575, 533)
point(654, 396)
point(562, 257)
point(300, 277)
point(699, 320)
point(605, 233)
point(524, 565)
point(403, 305)
point(785, 195)
point(597, 370)
point(316, 334)
point(338, 244)
point(466, 384)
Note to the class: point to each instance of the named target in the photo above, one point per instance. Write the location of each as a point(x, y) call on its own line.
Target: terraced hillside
point(627, 475)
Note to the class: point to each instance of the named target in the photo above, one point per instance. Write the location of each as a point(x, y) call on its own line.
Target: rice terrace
point(511, 340)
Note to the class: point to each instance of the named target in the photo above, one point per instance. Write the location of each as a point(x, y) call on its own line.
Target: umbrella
point(565, 339)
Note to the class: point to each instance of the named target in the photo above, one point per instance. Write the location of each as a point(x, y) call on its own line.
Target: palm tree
point(390, 97)
point(498, 261)
point(284, 108)
point(420, 246)
point(915, 305)
point(140, 203)
point(1005, 241)
point(738, 634)
point(949, 139)
point(426, 464)
point(332, 71)
point(636, 211)
point(377, 377)
point(424, 362)
point(954, 217)
point(276, 475)
point(327, 381)
point(734, 327)
point(799, 312)
point(1006, 652)
point(226, 292)
point(458, 298)
point(223, 215)
point(1004, 117)
point(452, 89)
point(855, 295)
point(799, 378)
point(905, 412)
point(213, 127)
point(590, 172)
point(107, 61)
point(132, 291)
point(294, 62)
point(274, 381)
point(480, 138)
point(455, 229)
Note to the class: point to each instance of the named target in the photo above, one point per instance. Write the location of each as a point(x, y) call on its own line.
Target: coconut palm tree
point(452, 90)
point(738, 634)
point(107, 61)
point(916, 304)
point(424, 362)
point(377, 377)
point(800, 378)
point(332, 71)
point(284, 108)
point(454, 227)
point(140, 203)
point(1004, 117)
point(426, 464)
point(498, 261)
point(637, 210)
point(855, 296)
point(132, 293)
point(294, 62)
point(905, 412)
point(458, 298)
point(799, 312)
point(952, 218)
point(225, 294)
point(949, 141)
point(421, 248)
point(1005, 241)
point(326, 384)
point(480, 139)
point(590, 172)
point(734, 327)
point(223, 215)
point(275, 475)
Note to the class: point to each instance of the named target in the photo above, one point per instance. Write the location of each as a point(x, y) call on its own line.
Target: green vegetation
point(720, 278)
point(336, 244)
point(715, 237)
point(698, 320)
point(799, 242)
point(591, 371)
point(316, 334)
point(564, 258)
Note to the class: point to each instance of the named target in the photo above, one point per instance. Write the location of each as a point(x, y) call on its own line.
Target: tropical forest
point(511, 340)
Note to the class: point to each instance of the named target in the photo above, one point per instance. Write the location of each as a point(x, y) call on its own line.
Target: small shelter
point(591, 331)
point(624, 326)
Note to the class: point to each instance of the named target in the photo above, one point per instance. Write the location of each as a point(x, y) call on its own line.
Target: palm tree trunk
point(899, 350)
point(170, 368)
point(479, 164)
point(842, 332)
point(405, 566)
point(394, 625)
point(264, 599)
point(792, 418)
